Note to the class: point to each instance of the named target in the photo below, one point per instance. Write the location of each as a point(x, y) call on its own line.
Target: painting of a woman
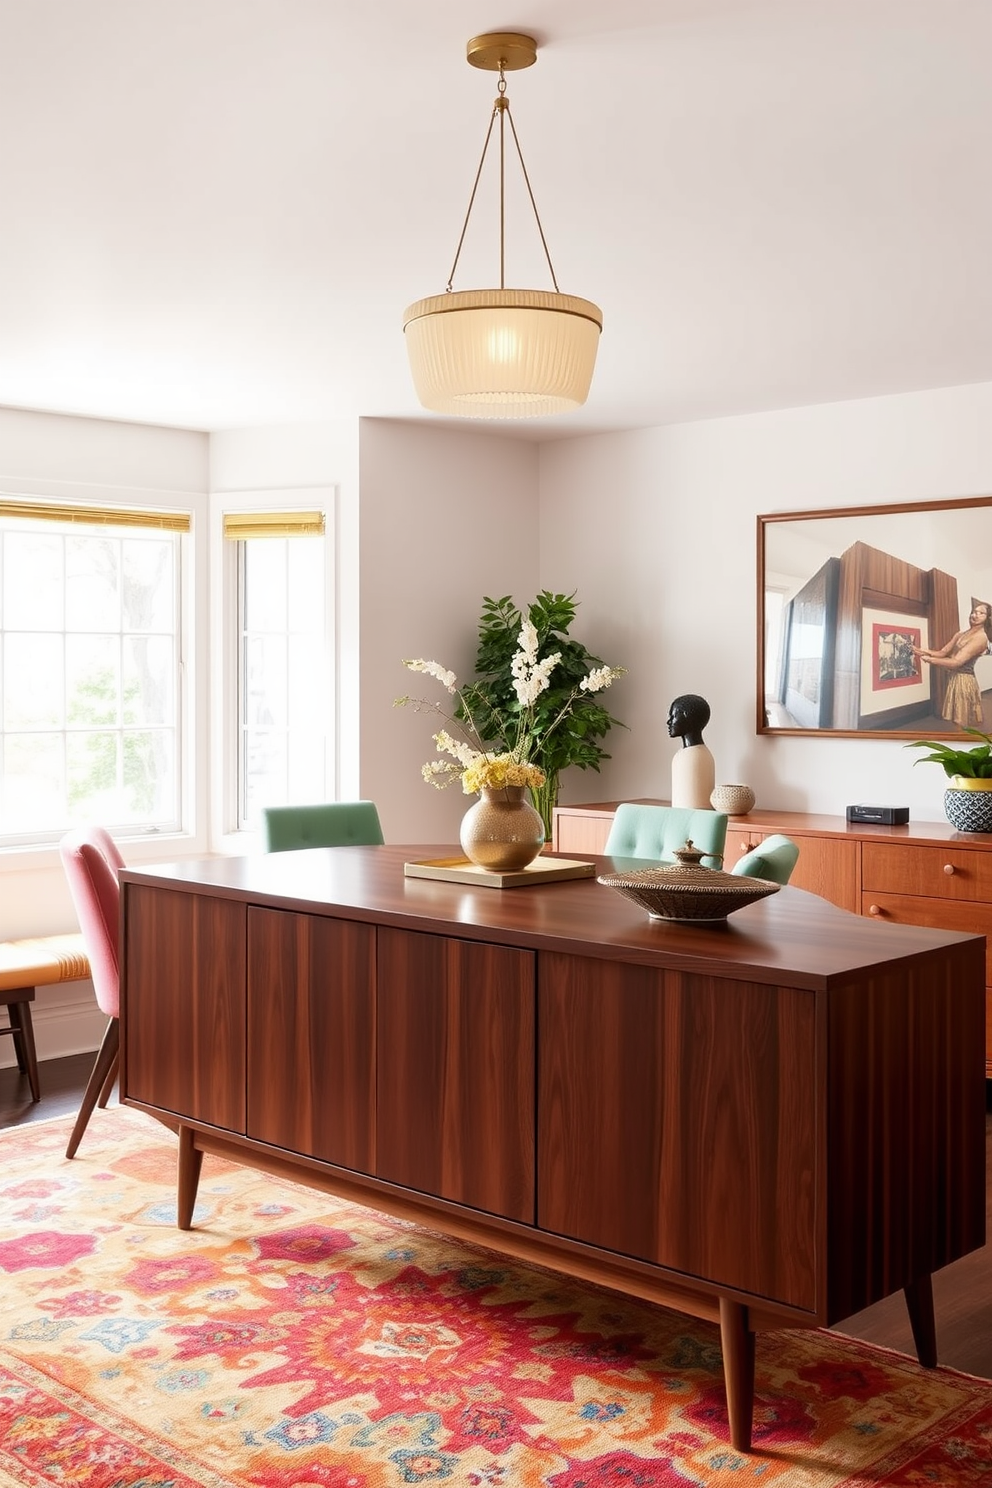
point(963, 699)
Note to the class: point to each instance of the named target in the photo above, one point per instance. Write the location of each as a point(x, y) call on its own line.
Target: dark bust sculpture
point(687, 717)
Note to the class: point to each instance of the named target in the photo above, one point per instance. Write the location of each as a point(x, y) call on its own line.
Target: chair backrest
point(773, 859)
point(655, 832)
point(92, 862)
point(331, 824)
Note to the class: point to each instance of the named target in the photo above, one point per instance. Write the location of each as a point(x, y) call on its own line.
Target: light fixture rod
point(471, 201)
point(502, 107)
point(537, 215)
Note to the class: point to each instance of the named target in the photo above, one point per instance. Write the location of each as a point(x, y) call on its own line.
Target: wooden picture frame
point(853, 605)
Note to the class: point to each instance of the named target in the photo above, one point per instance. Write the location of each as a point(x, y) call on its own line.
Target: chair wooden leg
point(105, 1059)
point(24, 1049)
point(109, 1082)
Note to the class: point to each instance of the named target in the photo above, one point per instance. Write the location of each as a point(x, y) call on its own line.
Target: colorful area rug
point(294, 1341)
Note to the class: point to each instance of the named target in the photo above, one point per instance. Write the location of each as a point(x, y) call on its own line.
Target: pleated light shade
point(502, 353)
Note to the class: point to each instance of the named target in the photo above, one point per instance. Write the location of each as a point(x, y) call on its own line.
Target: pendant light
point(502, 353)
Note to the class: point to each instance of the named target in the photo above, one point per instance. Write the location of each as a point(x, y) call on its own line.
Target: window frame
point(91, 508)
point(227, 834)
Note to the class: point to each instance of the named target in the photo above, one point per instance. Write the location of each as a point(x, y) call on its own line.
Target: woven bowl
point(736, 800)
point(673, 892)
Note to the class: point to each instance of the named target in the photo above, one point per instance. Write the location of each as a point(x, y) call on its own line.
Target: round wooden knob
point(948, 868)
point(874, 909)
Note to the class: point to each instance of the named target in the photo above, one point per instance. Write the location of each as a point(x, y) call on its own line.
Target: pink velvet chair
point(92, 863)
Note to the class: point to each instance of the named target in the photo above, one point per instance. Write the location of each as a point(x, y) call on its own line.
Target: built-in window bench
point(24, 966)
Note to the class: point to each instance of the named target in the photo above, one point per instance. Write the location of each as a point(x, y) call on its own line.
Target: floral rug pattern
point(294, 1341)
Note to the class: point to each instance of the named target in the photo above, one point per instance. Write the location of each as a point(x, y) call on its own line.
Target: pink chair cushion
point(91, 863)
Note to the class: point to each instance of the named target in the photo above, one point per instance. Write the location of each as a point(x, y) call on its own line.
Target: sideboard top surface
point(792, 938)
point(807, 824)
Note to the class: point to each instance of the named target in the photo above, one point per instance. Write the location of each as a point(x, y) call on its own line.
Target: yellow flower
point(492, 772)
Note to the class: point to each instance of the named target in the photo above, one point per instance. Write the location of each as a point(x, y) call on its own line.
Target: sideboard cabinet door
point(827, 866)
point(311, 1035)
point(455, 1070)
point(677, 1122)
point(183, 1016)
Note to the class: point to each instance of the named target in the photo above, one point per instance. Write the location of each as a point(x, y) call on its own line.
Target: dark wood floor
point(962, 1292)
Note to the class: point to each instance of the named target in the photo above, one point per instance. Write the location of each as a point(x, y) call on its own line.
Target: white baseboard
point(66, 1020)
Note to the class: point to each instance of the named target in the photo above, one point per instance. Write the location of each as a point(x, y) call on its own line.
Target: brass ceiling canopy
point(502, 51)
point(502, 353)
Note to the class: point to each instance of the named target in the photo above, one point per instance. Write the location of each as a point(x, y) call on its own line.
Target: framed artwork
point(865, 614)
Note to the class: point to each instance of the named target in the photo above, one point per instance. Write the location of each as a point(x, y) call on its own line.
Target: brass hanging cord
point(501, 107)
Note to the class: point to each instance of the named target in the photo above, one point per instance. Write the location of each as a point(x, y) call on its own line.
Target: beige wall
point(656, 530)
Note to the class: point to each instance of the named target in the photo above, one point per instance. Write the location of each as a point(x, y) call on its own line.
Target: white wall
point(656, 530)
point(91, 460)
point(429, 521)
point(446, 518)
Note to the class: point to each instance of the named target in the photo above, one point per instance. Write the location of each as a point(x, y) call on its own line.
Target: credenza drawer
point(934, 914)
point(934, 872)
point(942, 914)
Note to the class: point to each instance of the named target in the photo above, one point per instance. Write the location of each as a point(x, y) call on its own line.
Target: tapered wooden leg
point(919, 1302)
point(105, 1060)
point(190, 1163)
point(109, 1082)
point(737, 1341)
point(24, 1050)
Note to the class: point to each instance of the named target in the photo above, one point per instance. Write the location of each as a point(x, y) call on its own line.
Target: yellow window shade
point(240, 526)
point(95, 516)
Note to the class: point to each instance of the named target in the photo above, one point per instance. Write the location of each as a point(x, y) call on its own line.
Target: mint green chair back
point(330, 824)
point(654, 832)
point(773, 860)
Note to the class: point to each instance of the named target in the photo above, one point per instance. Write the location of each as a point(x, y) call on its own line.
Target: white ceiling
point(213, 212)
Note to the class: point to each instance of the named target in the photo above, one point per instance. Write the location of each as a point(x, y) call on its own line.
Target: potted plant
point(536, 702)
point(968, 796)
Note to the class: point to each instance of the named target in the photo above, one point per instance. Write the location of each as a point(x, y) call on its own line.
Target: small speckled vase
point(502, 831)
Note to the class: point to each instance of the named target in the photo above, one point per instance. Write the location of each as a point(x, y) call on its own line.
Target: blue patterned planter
point(969, 810)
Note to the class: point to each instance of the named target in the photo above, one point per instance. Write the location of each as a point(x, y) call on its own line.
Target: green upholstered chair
point(773, 859)
point(654, 832)
point(329, 824)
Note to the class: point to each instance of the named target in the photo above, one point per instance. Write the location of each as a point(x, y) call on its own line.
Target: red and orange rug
point(294, 1341)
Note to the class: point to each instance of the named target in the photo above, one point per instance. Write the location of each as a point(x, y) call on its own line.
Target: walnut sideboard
point(770, 1123)
point(926, 873)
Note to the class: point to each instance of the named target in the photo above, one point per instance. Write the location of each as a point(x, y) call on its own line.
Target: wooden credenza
point(925, 873)
point(769, 1124)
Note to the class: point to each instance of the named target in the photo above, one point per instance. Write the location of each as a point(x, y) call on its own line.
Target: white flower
point(440, 773)
point(434, 669)
point(457, 748)
point(528, 642)
point(600, 678)
point(529, 684)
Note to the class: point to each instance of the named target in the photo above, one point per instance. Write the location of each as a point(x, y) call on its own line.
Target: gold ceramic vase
point(502, 831)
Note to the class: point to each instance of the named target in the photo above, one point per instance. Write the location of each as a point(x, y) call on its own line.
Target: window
point(90, 670)
point(283, 678)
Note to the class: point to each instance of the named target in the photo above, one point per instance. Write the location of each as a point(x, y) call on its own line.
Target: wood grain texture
point(183, 1004)
point(905, 1112)
point(455, 1070)
point(964, 915)
point(677, 1122)
point(311, 1036)
point(947, 872)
